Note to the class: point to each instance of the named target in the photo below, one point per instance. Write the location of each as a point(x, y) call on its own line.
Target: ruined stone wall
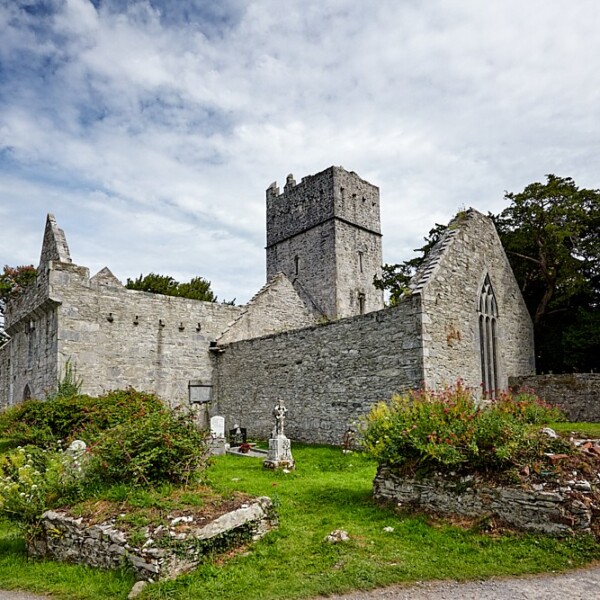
point(549, 512)
point(578, 394)
point(186, 542)
point(450, 285)
point(118, 337)
point(356, 272)
point(28, 365)
point(327, 375)
point(275, 308)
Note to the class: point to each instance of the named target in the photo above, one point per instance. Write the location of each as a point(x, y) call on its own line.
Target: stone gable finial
point(55, 245)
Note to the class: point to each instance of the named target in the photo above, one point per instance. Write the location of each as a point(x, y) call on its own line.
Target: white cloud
point(152, 130)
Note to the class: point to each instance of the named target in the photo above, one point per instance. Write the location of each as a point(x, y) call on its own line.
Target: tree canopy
point(551, 235)
point(196, 289)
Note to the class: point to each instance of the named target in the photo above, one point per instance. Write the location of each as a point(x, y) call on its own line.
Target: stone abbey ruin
point(316, 337)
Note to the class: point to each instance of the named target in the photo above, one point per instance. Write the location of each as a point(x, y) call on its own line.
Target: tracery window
point(488, 316)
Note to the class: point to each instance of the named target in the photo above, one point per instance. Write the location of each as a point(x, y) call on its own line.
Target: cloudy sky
point(151, 128)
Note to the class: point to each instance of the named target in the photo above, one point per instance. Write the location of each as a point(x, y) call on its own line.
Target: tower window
point(296, 264)
point(488, 315)
point(360, 261)
point(361, 304)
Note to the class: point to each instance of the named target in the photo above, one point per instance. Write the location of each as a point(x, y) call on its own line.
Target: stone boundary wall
point(327, 376)
point(552, 513)
point(578, 394)
point(65, 538)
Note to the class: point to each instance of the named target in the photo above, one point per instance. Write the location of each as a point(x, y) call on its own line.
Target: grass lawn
point(328, 491)
point(584, 430)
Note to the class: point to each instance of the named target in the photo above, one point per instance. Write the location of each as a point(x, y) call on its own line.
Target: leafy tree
point(395, 278)
point(550, 233)
point(13, 281)
point(197, 288)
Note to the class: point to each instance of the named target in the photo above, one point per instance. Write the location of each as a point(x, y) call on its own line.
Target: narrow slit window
point(360, 261)
point(361, 304)
point(488, 316)
point(296, 264)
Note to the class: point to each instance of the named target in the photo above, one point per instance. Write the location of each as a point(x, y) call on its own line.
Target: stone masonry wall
point(275, 308)
point(450, 285)
point(314, 250)
point(578, 394)
point(552, 513)
point(355, 273)
point(315, 231)
point(68, 539)
point(118, 337)
point(28, 360)
point(327, 375)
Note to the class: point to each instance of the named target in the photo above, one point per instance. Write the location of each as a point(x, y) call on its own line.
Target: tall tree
point(197, 288)
point(396, 277)
point(551, 235)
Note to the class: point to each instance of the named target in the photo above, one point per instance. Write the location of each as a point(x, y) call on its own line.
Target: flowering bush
point(450, 430)
point(23, 486)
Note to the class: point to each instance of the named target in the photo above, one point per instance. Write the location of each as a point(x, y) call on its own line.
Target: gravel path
point(583, 584)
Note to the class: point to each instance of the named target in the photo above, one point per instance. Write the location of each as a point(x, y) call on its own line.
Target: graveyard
point(323, 531)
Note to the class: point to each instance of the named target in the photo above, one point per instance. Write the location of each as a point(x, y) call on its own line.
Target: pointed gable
point(54, 246)
point(276, 307)
point(106, 278)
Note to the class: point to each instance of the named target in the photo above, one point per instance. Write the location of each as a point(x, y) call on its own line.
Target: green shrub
point(450, 430)
point(65, 418)
point(164, 446)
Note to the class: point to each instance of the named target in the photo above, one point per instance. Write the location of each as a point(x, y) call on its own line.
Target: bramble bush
point(69, 417)
point(165, 446)
point(452, 431)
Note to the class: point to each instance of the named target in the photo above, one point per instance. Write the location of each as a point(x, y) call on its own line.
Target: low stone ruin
point(565, 511)
point(165, 553)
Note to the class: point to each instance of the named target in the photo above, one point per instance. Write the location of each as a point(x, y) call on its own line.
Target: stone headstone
point(237, 436)
point(217, 426)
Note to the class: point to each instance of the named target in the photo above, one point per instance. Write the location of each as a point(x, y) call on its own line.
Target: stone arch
point(488, 342)
point(27, 394)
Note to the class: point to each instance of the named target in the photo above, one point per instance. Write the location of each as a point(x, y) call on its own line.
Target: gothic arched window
point(488, 315)
point(27, 392)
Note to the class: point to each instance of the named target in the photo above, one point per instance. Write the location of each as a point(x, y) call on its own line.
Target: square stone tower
point(324, 233)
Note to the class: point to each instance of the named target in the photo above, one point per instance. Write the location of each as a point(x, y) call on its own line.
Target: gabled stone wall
point(450, 284)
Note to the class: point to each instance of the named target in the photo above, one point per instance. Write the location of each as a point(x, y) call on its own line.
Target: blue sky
point(151, 129)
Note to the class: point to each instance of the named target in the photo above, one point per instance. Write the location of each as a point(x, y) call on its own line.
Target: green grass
point(585, 430)
point(328, 491)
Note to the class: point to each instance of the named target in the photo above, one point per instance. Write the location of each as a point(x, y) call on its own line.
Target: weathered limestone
point(324, 233)
point(549, 512)
point(280, 447)
point(323, 249)
point(449, 284)
point(578, 394)
point(62, 537)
